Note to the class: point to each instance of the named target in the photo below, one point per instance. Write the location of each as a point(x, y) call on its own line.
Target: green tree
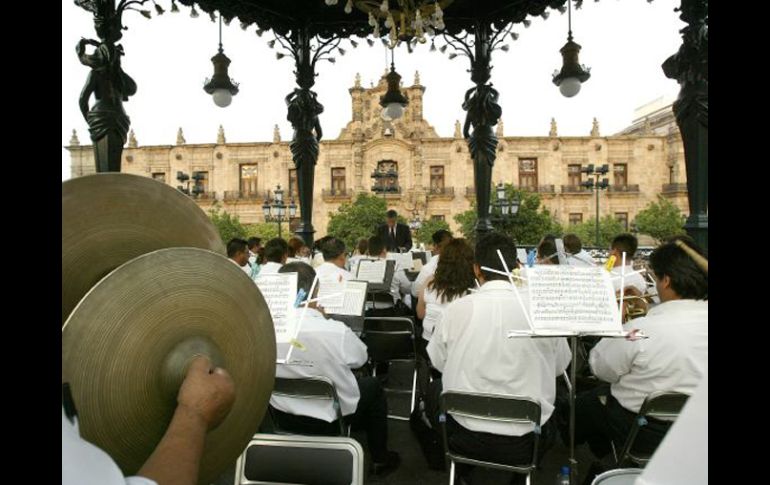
point(357, 220)
point(268, 231)
point(530, 224)
point(609, 227)
point(660, 220)
point(428, 228)
point(229, 226)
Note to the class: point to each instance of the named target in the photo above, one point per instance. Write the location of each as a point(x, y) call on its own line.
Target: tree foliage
point(358, 219)
point(530, 224)
point(661, 219)
point(428, 228)
point(229, 226)
point(609, 227)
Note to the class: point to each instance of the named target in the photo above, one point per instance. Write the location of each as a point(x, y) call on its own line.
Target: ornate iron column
point(303, 111)
point(107, 121)
point(689, 66)
point(483, 113)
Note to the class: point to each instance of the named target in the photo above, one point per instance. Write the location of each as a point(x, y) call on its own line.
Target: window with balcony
point(528, 173)
point(159, 176)
point(248, 180)
point(437, 179)
point(386, 176)
point(620, 172)
point(575, 177)
point(575, 218)
point(293, 187)
point(338, 181)
point(622, 218)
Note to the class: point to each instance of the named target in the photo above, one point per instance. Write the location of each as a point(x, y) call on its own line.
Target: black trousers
point(371, 416)
point(597, 423)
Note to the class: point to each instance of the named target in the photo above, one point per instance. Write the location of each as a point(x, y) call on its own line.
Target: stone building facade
point(418, 172)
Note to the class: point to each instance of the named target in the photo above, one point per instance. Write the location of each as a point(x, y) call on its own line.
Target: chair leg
point(451, 472)
point(529, 476)
point(414, 388)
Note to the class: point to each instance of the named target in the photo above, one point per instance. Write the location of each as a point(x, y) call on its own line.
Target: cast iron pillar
point(689, 66)
point(108, 123)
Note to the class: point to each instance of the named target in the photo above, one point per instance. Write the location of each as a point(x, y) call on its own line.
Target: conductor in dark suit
point(397, 236)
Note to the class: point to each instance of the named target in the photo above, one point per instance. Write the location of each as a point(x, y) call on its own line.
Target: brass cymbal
point(111, 218)
point(126, 344)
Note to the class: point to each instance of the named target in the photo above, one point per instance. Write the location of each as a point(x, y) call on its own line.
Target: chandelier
point(406, 20)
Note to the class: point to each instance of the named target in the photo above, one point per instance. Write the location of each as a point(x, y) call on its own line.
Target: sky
point(623, 42)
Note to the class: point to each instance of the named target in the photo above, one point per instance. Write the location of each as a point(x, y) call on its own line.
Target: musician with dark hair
point(674, 357)
point(626, 243)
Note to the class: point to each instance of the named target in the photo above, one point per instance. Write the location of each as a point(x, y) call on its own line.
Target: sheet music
point(403, 260)
point(371, 271)
point(572, 299)
point(280, 292)
point(331, 289)
point(352, 302)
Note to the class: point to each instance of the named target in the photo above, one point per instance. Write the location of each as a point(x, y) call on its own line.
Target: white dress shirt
point(331, 349)
point(327, 269)
point(434, 312)
point(426, 272)
point(470, 345)
point(582, 258)
point(636, 280)
point(674, 357)
point(84, 464)
point(270, 268)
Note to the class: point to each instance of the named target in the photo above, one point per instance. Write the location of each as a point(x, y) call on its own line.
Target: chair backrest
point(491, 407)
point(317, 388)
point(660, 405)
point(317, 460)
point(389, 338)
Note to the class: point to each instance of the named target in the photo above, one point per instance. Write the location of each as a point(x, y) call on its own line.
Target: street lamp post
point(275, 211)
point(595, 184)
point(506, 208)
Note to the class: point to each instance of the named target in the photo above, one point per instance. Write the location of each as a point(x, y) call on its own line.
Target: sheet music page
point(403, 260)
point(331, 289)
point(371, 271)
point(280, 292)
point(352, 301)
point(572, 299)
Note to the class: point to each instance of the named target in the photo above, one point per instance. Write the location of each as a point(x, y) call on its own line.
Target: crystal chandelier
point(406, 20)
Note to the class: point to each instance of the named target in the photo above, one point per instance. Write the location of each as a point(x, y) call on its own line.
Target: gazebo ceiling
point(324, 20)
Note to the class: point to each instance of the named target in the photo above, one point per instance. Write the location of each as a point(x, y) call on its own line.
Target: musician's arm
point(612, 358)
point(204, 400)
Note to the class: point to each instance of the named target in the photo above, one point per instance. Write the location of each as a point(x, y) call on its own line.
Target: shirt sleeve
point(437, 346)
point(140, 481)
point(353, 350)
point(612, 358)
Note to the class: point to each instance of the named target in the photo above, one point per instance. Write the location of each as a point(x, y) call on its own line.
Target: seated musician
point(470, 346)
point(331, 349)
point(672, 358)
